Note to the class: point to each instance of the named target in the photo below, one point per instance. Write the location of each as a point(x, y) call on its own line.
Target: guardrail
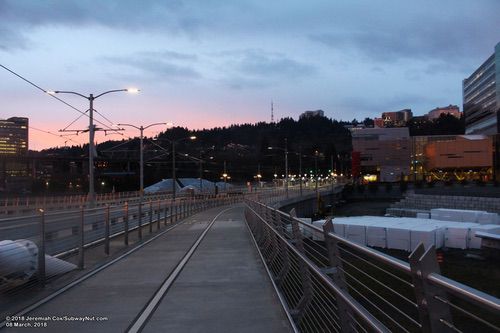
point(36, 248)
point(331, 284)
point(29, 204)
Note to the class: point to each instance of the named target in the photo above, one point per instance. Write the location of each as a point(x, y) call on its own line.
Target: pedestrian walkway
point(223, 288)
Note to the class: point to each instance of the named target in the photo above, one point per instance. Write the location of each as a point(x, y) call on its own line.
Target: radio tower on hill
point(272, 112)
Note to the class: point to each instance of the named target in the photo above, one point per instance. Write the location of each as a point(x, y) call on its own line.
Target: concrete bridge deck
point(224, 287)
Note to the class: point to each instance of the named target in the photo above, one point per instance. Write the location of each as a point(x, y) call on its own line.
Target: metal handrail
point(374, 323)
point(433, 307)
point(465, 292)
point(393, 262)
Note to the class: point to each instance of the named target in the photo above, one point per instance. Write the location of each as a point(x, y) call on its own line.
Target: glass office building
point(481, 97)
point(14, 169)
point(14, 136)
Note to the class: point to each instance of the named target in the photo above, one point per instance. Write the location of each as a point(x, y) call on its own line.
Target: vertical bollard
point(81, 259)
point(41, 250)
point(106, 231)
point(140, 221)
point(125, 222)
point(150, 216)
point(158, 215)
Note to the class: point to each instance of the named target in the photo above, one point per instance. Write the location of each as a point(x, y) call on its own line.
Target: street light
point(316, 153)
point(225, 176)
point(141, 162)
point(91, 98)
point(286, 163)
point(300, 169)
point(173, 142)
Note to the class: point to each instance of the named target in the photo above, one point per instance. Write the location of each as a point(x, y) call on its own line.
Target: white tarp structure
point(194, 184)
point(163, 186)
point(461, 215)
point(404, 233)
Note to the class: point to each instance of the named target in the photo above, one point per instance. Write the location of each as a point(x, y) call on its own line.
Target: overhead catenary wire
point(62, 137)
point(74, 121)
point(53, 96)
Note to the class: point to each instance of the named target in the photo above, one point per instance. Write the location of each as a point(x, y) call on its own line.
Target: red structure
point(356, 163)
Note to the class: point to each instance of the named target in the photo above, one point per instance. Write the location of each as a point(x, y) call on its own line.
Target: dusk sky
point(202, 63)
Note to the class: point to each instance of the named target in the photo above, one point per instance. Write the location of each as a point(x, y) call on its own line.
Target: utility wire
point(118, 145)
point(58, 135)
point(104, 117)
point(53, 96)
point(74, 121)
point(154, 143)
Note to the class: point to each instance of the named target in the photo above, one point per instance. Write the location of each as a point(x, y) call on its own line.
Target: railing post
point(139, 227)
point(171, 213)
point(304, 271)
point(434, 315)
point(274, 240)
point(41, 250)
point(158, 216)
point(337, 274)
point(283, 248)
point(125, 222)
point(81, 239)
point(165, 213)
point(150, 216)
point(106, 230)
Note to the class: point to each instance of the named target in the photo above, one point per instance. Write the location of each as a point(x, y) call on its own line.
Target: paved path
point(223, 288)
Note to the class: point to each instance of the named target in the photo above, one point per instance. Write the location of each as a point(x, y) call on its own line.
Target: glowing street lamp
point(141, 162)
point(174, 142)
point(286, 163)
point(91, 98)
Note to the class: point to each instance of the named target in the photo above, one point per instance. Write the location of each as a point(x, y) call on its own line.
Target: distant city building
point(450, 109)
point(390, 154)
point(14, 136)
point(378, 122)
point(384, 153)
point(463, 151)
point(14, 175)
point(481, 97)
point(452, 157)
point(310, 114)
point(396, 118)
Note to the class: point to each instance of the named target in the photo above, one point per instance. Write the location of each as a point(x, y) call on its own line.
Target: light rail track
point(138, 322)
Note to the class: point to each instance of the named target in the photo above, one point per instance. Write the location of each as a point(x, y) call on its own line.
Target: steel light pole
point(91, 98)
point(173, 143)
point(141, 161)
point(316, 172)
point(286, 163)
point(225, 175)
